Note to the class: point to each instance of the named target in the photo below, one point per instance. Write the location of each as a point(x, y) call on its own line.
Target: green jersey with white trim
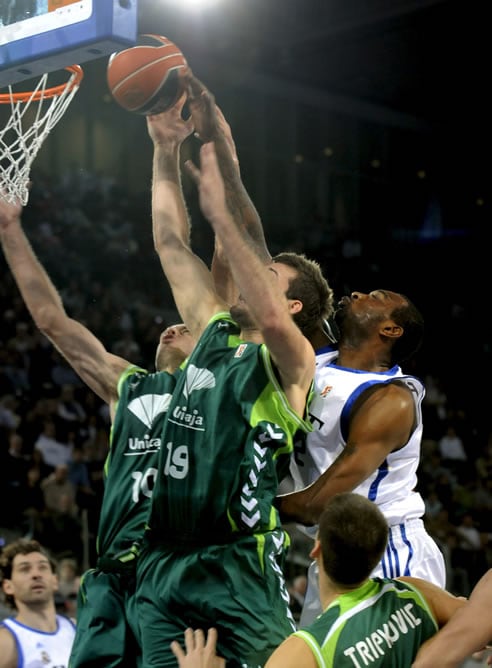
point(130, 469)
point(226, 443)
point(381, 624)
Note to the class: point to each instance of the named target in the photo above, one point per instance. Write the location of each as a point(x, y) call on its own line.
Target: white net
point(32, 117)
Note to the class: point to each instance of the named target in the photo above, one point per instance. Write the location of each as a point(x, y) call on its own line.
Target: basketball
point(146, 78)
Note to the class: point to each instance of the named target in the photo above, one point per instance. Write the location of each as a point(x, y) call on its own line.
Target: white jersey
point(411, 550)
point(392, 485)
point(39, 649)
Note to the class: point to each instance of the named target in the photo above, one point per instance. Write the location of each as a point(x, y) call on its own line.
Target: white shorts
point(410, 551)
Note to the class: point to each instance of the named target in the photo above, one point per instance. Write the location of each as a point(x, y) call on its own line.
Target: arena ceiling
point(424, 59)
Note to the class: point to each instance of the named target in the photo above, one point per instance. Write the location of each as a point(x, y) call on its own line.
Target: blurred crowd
point(95, 242)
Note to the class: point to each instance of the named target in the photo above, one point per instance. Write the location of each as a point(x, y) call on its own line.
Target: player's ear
point(295, 306)
point(8, 587)
point(391, 330)
point(316, 551)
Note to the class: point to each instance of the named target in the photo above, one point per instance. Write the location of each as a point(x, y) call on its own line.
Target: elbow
point(47, 319)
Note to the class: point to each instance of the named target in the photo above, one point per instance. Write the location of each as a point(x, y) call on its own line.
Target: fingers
point(193, 171)
point(194, 640)
point(177, 650)
point(211, 639)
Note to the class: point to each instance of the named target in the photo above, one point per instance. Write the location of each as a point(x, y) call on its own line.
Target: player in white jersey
point(367, 435)
point(37, 637)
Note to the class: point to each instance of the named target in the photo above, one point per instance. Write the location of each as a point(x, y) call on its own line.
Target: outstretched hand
point(199, 653)
point(210, 183)
point(169, 127)
point(208, 119)
point(9, 212)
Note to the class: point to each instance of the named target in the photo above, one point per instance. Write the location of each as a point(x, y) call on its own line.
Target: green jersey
point(226, 442)
point(381, 624)
point(131, 466)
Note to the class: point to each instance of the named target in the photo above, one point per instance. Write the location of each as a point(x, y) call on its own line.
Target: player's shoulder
point(8, 647)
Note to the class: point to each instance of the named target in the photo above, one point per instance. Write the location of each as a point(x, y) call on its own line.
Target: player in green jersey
point(106, 629)
point(215, 546)
point(365, 621)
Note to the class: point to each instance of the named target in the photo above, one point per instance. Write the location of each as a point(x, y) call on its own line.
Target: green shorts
point(106, 622)
point(238, 587)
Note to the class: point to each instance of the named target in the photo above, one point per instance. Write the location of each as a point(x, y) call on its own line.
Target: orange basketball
point(145, 78)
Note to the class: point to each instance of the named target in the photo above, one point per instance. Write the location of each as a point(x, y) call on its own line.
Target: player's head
point(389, 315)
point(27, 573)
point(305, 284)
point(175, 345)
point(352, 536)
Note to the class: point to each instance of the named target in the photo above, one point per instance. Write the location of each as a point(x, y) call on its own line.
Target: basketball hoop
point(33, 115)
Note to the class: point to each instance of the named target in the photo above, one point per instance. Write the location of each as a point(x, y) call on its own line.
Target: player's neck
point(362, 358)
point(329, 590)
point(251, 334)
point(42, 618)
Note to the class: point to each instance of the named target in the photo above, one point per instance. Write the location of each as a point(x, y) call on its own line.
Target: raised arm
point(82, 350)
point(211, 125)
point(190, 280)
point(259, 284)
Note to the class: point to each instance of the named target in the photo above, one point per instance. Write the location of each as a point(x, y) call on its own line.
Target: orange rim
point(54, 91)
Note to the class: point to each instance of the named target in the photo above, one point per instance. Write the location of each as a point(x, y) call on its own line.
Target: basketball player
point(380, 622)
point(367, 434)
point(106, 630)
point(105, 600)
point(214, 545)
point(36, 635)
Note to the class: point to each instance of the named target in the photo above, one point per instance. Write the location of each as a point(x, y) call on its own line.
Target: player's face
point(175, 345)
point(366, 309)
point(32, 581)
point(279, 273)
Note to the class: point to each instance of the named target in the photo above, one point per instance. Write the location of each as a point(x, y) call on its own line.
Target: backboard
point(39, 36)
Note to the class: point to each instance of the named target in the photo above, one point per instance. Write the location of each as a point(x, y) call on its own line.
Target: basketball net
point(33, 115)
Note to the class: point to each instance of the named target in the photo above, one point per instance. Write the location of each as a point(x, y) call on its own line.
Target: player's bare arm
point(469, 630)
point(171, 227)
point(381, 422)
point(258, 284)
point(8, 650)
point(211, 125)
point(442, 603)
point(292, 653)
point(83, 351)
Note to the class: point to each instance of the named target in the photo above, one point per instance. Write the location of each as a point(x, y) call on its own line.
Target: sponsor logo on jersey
point(326, 390)
point(196, 379)
point(143, 445)
point(147, 409)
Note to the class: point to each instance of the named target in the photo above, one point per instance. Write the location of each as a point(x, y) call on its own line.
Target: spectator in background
point(9, 417)
point(70, 411)
point(61, 530)
point(470, 553)
point(32, 506)
point(68, 586)
point(453, 453)
point(57, 487)
point(55, 453)
point(13, 476)
point(79, 477)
